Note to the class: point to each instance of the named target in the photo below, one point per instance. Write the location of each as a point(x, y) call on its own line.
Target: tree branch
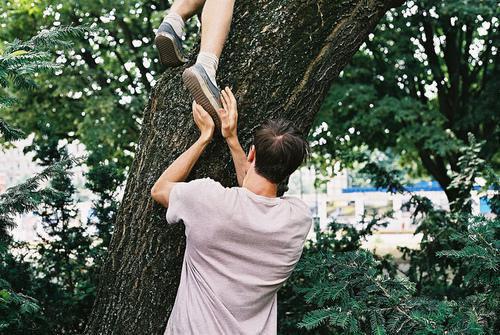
point(451, 57)
point(437, 169)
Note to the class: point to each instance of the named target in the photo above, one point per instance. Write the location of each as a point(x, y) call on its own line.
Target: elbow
point(154, 193)
point(159, 196)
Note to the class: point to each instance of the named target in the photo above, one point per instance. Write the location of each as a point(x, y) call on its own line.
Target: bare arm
point(239, 158)
point(182, 166)
point(229, 128)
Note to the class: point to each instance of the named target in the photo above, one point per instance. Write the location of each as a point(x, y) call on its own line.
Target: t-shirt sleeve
point(188, 200)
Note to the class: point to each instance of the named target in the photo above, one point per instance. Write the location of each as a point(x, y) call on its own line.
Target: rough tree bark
point(281, 59)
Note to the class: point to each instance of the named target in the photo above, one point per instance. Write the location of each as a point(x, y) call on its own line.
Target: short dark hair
point(280, 148)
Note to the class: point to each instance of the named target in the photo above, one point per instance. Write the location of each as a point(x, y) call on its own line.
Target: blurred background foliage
point(426, 79)
point(419, 100)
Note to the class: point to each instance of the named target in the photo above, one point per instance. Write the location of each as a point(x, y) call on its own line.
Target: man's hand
point(228, 115)
point(182, 166)
point(204, 122)
point(229, 128)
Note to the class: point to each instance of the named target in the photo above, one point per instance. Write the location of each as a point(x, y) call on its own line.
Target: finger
point(231, 96)
point(224, 102)
point(224, 95)
point(198, 111)
point(200, 108)
point(196, 116)
point(202, 112)
point(221, 112)
point(228, 100)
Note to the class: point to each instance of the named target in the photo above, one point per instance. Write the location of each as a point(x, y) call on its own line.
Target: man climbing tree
point(242, 242)
point(280, 59)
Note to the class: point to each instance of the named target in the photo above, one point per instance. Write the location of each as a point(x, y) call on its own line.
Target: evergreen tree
point(451, 285)
point(444, 276)
point(64, 264)
point(19, 312)
point(20, 62)
point(344, 293)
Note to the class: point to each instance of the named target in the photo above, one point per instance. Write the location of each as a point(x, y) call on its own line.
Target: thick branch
point(435, 167)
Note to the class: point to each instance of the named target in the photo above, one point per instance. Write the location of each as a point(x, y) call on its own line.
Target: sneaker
point(169, 46)
point(203, 90)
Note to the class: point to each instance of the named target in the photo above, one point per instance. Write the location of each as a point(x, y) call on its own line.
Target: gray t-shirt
point(240, 249)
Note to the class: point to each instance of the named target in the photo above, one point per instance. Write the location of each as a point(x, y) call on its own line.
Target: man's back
point(241, 247)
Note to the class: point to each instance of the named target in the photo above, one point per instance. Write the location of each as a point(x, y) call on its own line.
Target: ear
point(251, 154)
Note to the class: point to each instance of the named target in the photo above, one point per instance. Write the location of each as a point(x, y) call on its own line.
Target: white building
point(346, 204)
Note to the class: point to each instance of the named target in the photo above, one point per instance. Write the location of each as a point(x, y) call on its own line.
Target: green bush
point(336, 290)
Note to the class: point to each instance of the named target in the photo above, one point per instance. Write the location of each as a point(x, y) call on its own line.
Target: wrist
point(232, 140)
point(204, 139)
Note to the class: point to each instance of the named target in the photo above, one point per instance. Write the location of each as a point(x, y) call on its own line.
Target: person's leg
point(200, 78)
point(216, 22)
point(186, 8)
point(169, 36)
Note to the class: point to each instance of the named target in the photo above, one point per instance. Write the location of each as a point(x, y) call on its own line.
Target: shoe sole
point(169, 55)
point(201, 93)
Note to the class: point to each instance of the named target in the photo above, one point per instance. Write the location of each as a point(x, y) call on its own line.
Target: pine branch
point(9, 133)
point(49, 39)
point(25, 197)
point(21, 60)
point(6, 101)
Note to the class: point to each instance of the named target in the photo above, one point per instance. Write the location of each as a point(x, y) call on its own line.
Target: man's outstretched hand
point(204, 122)
point(182, 166)
point(229, 129)
point(228, 115)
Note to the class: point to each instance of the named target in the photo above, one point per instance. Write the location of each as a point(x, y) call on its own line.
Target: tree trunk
point(280, 59)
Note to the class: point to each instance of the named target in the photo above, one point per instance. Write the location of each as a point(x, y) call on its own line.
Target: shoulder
point(197, 188)
point(298, 203)
point(201, 183)
point(191, 200)
point(301, 218)
point(300, 208)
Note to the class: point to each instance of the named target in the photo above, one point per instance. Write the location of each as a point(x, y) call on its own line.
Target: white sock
point(176, 21)
point(210, 62)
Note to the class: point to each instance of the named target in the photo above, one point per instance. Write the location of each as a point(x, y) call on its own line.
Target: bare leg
point(168, 39)
point(186, 8)
point(200, 78)
point(216, 21)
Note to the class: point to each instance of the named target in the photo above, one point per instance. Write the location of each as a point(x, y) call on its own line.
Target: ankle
point(210, 63)
point(176, 21)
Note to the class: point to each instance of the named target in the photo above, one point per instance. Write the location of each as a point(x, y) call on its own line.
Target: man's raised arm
point(182, 166)
point(229, 128)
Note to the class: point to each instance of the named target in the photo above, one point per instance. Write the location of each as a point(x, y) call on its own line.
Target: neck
point(259, 185)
